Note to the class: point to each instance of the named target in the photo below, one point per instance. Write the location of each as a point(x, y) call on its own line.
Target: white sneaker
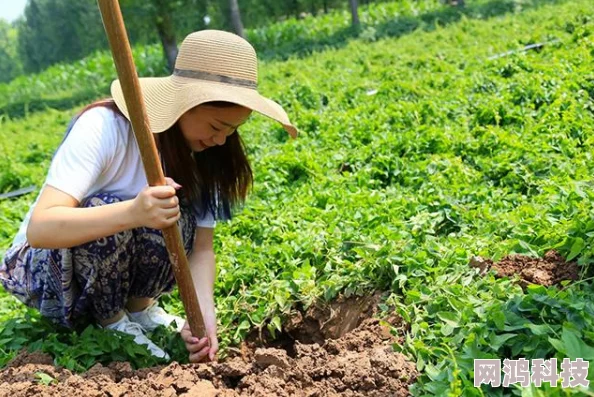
point(153, 316)
point(128, 327)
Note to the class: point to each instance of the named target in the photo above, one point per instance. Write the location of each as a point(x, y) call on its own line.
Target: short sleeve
point(84, 154)
point(207, 220)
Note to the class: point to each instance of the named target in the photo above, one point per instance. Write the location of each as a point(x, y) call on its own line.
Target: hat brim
point(167, 98)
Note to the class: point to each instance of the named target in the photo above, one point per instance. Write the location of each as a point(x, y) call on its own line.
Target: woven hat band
point(201, 75)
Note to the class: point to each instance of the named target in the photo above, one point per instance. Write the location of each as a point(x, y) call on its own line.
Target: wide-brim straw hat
point(211, 65)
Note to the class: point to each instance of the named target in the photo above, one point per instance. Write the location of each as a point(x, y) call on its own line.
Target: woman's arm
point(57, 222)
point(203, 269)
point(202, 266)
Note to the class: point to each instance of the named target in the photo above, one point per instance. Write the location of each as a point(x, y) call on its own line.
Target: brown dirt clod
point(547, 271)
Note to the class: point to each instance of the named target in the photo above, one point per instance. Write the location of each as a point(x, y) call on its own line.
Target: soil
point(339, 349)
point(547, 271)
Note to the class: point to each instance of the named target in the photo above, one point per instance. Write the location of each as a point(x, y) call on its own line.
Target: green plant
point(416, 153)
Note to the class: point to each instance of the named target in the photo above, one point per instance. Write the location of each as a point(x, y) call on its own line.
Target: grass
point(417, 152)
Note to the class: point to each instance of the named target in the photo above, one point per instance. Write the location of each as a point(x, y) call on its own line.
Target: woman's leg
point(130, 270)
point(112, 320)
point(138, 304)
point(35, 276)
point(103, 270)
point(153, 274)
point(98, 278)
point(17, 275)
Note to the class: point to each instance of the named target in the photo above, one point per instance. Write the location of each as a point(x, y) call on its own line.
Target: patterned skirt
point(93, 280)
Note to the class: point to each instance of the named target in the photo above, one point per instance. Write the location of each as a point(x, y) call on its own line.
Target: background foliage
point(418, 150)
point(54, 31)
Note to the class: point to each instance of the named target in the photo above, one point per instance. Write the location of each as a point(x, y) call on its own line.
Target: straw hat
point(211, 65)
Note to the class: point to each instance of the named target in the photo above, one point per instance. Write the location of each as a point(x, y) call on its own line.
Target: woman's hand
point(157, 207)
point(201, 349)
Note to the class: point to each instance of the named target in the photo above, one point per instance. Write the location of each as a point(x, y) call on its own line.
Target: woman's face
point(205, 126)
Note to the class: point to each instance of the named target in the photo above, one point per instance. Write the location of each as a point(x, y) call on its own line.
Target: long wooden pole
point(122, 56)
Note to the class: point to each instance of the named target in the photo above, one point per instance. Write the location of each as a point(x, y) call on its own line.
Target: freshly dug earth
point(547, 271)
point(361, 362)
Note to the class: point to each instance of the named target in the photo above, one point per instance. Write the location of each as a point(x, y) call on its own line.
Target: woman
point(91, 243)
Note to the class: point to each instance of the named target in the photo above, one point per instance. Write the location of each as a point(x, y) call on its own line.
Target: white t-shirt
point(100, 154)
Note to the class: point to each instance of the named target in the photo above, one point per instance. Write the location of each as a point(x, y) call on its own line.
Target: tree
point(458, 3)
point(64, 30)
point(170, 18)
point(236, 18)
point(10, 64)
point(295, 7)
point(355, 12)
point(58, 30)
point(164, 24)
point(159, 15)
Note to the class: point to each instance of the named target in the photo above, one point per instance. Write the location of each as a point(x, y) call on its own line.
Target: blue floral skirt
point(97, 278)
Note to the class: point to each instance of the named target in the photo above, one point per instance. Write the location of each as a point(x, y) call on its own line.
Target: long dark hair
point(214, 181)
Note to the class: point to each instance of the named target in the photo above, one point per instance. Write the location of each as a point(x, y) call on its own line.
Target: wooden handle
point(122, 56)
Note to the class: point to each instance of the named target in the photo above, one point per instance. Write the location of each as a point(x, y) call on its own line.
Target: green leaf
point(575, 347)
point(450, 318)
point(499, 319)
point(447, 329)
point(88, 332)
point(420, 363)
point(243, 326)
point(558, 345)
point(498, 340)
point(44, 378)
point(276, 322)
point(539, 329)
point(434, 373)
point(576, 248)
point(438, 388)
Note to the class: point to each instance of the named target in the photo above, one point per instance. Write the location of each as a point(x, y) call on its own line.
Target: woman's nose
point(219, 139)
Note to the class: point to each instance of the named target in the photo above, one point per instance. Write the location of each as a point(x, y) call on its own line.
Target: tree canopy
point(52, 31)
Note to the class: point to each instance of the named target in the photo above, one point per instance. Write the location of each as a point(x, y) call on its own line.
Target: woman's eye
point(214, 128)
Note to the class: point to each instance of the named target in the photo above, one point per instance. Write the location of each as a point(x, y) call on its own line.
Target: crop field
point(432, 149)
